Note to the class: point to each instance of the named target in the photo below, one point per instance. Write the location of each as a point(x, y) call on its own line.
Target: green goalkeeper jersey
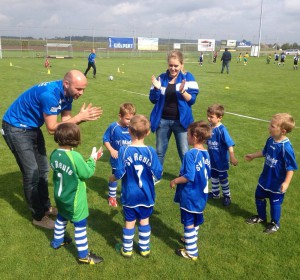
point(69, 172)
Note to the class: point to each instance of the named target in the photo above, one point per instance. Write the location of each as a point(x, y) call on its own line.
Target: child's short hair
point(285, 121)
point(67, 134)
point(126, 108)
point(216, 109)
point(139, 126)
point(201, 130)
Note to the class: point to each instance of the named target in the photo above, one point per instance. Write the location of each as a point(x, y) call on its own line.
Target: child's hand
point(234, 161)
point(96, 154)
point(284, 187)
point(172, 184)
point(248, 157)
point(114, 153)
point(156, 83)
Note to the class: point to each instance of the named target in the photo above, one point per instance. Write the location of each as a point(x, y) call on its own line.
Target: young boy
point(192, 187)
point(69, 173)
point(219, 146)
point(277, 173)
point(137, 165)
point(116, 136)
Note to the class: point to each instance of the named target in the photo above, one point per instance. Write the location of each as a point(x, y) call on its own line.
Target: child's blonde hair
point(139, 126)
point(126, 108)
point(216, 109)
point(285, 121)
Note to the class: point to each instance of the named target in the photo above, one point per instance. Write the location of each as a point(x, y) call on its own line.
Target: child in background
point(277, 173)
point(137, 165)
point(192, 187)
point(220, 145)
point(69, 172)
point(296, 60)
point(116, 136)
point(47, 63)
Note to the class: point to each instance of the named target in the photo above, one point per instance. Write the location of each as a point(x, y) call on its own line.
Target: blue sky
point(189, 19)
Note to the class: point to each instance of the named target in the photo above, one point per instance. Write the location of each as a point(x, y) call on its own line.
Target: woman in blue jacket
point(173, 93)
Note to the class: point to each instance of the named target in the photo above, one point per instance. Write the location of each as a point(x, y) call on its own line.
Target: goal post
point(59, 50)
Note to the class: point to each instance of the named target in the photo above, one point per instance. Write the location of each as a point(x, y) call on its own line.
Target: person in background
point(91, 63)
point(278, 170)
point(70, 171)
point(226, 58)
point(173, 93)
point(201, 59)
point(21, 129)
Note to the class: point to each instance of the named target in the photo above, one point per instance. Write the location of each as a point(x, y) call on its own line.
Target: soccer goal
point(59, 50)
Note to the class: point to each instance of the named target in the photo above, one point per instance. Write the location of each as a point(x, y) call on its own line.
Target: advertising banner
point(206, 45)
point(120, 43)
point(244, 44)
point(147, 44)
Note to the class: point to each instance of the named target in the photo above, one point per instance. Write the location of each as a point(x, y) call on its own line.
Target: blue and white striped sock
point(81, 238)
point(144, 237)
point(191, 241)
point(112, 189)
point(215, 186)
point(59, 231)
point(128, 235)
point(225, 187)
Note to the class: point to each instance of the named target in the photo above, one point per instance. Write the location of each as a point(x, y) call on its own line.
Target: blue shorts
point(188, 218)
point(137, 213)
point(221, 175)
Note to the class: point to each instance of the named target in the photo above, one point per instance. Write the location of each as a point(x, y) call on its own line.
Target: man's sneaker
point(183, 253)
point(91, 258)
point(112, 201)
point(254, 220)
point(145, 254)
point(45, 222)
point(52, 211)
point(211, 195)
point(54, 245)
point(127, 254)
point(271, 228)
point(226, 200)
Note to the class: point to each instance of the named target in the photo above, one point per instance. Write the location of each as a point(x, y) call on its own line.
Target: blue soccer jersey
point(117, 136)
point(279, 158)
point(218, 146)
point(136, 166)
point(192, 196)
point(27, 110)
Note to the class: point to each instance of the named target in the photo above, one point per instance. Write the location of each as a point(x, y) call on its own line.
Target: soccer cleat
point(226, 200)
point(67, 240)
point(183, 253)
point(45, 222)
point(271, 228)
point(254, 220)
point(91, 258)
point(52, 211)
point(112, 201)
point(127, 254)
point(145, 254)
point(213, 196)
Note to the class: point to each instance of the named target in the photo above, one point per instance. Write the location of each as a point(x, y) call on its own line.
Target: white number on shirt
point(139, 169)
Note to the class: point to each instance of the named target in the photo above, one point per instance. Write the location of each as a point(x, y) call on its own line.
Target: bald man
point(21, 125)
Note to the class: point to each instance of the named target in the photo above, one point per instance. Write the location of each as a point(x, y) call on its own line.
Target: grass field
point(228, 247)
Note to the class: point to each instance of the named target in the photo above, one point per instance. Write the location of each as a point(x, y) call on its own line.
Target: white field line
point(230, 113)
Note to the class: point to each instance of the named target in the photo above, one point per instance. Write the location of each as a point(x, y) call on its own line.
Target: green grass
point(229, 248)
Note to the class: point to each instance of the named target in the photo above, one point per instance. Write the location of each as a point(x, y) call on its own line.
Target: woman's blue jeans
point(163, 134)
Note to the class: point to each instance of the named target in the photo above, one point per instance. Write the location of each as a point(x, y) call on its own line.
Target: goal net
point(59, 50)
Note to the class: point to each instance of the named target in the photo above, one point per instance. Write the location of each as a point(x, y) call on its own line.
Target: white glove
point(96, 154)
point(156, 83)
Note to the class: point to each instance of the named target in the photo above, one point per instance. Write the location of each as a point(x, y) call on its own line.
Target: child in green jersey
point(69, 172)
